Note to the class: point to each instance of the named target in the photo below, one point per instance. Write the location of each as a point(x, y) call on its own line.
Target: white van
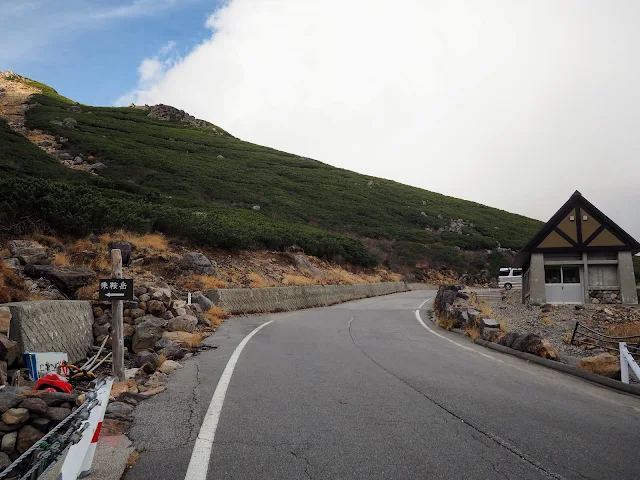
point(509, 278)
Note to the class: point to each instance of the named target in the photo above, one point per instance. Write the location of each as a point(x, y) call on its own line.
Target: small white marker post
point(117, 306)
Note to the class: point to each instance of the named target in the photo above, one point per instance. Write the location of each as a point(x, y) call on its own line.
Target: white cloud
point(151, 71)
point(511, 104)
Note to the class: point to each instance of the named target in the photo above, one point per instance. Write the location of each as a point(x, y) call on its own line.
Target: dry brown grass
point(213, 318)
point(219, 312)
point(12, 287)
point(473, 332)
point(546, 320)
point(258, 281)
point(196, 341)
point(630, 329)
point(298, 280)
point(61, 259)
point(445, 322)
point(86, 292)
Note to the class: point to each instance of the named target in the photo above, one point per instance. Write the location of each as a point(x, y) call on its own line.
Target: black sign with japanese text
point(116, 289)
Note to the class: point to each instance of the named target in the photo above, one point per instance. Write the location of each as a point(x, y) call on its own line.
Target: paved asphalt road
point(362, 390)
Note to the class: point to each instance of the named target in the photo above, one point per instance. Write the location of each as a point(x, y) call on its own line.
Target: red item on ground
point(53, 383)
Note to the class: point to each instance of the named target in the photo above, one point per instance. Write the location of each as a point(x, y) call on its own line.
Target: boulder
point(604, 364)
point(12, 263)
point(174, 352)
point(146, 357)
point(147, 333)
point(163, 296)
point(508, 339)
point(14, 416)
point(5, 461)
point(491, 334)
point(164, 343)
point(105, 318)
point(139, 291)
point(9, 350)
point(35, 405)
point(187, 338)
point(29, 252)
point(145, 318)
point(55, 399)
point(156, 307)
point(98, 166)
point(69, 122)
point(183, 323)
point(197, 263)
point(179, 311)
point(67, 278)
point(535, 345)
point(128, 330)
point(145, 297)
point(57, 414)
point(5, 320)
point(488, 323)
point(27, 436)
point(9, 400)
point(5, 427)
point(137, 313)
point(125, 249)
point(169, 366)
point(119, 411)
point(41, 423)
point(9, 442)
point(167, 315)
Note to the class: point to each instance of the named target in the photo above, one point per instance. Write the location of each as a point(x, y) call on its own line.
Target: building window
point(552, 275)
point(570, 275)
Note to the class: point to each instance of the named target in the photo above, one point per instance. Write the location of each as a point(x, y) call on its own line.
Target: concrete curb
point(576, 372)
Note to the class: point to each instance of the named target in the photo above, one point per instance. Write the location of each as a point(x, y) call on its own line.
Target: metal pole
point(624, 366)
point(116, 320)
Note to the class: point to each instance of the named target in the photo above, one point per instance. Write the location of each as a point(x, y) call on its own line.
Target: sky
point(511, 103)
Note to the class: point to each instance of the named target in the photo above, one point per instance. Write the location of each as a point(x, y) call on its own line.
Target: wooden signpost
point(118, 290)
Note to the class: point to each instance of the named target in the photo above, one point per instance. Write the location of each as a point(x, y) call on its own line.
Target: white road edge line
point(199, 463)
point(422, 304)
point(455, 343)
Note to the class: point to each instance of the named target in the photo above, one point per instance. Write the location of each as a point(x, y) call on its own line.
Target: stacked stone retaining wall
point(277, 299)
point(53, 326)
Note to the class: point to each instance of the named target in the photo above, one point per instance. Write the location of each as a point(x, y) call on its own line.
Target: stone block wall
point(605, 296)
point(53, 326)
point(278, 299)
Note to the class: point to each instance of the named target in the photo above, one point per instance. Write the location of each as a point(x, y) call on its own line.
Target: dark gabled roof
point(576, 200)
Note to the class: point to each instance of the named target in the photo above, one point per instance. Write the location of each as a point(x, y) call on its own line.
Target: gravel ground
point(558, 322)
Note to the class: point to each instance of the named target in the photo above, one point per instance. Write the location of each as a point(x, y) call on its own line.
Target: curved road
point(363, 390)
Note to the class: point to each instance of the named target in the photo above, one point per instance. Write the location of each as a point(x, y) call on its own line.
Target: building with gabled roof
point(580, 255)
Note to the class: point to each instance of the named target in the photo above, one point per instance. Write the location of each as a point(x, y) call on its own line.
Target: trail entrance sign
point(116, 289)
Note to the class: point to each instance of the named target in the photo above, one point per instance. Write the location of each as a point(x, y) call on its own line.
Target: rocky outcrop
point(167, 112)
point(197, 263)
point(29, 252)
point(67, 278)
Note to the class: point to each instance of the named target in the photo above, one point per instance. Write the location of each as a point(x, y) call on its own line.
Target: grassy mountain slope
point(161, 172)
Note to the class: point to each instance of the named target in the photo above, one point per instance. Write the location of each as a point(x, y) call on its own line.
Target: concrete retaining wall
point(277, 299)
point(421, 286)
point(53, 326)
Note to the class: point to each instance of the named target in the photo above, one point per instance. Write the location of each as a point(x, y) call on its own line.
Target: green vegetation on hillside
point(159, 173)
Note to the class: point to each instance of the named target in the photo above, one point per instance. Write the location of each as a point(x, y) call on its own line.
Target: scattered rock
point(14, 416)
point(9, 443)
point(220, 157)
point(67, 278)
point(119, 411)
point(146, 357)
point(203, 301)
point(137, 313)
point(167, 315)
point(75, 109)
point(55, 399)
point(187, 338)
point(35, 405)
point(27, 436)
point(604, 364)
point(29, 252)
point(488, 323)
point(97, 166)
point(174, 352)
point(183, 323)
point(169, 366)
point(197, 263)
point(12, 263)
point(9, 400)
point(9, 350)
point(57, 414)
point(156, 307)
point(41, 424)
point(148, 333)
point(5, 461)
point(69, 122)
